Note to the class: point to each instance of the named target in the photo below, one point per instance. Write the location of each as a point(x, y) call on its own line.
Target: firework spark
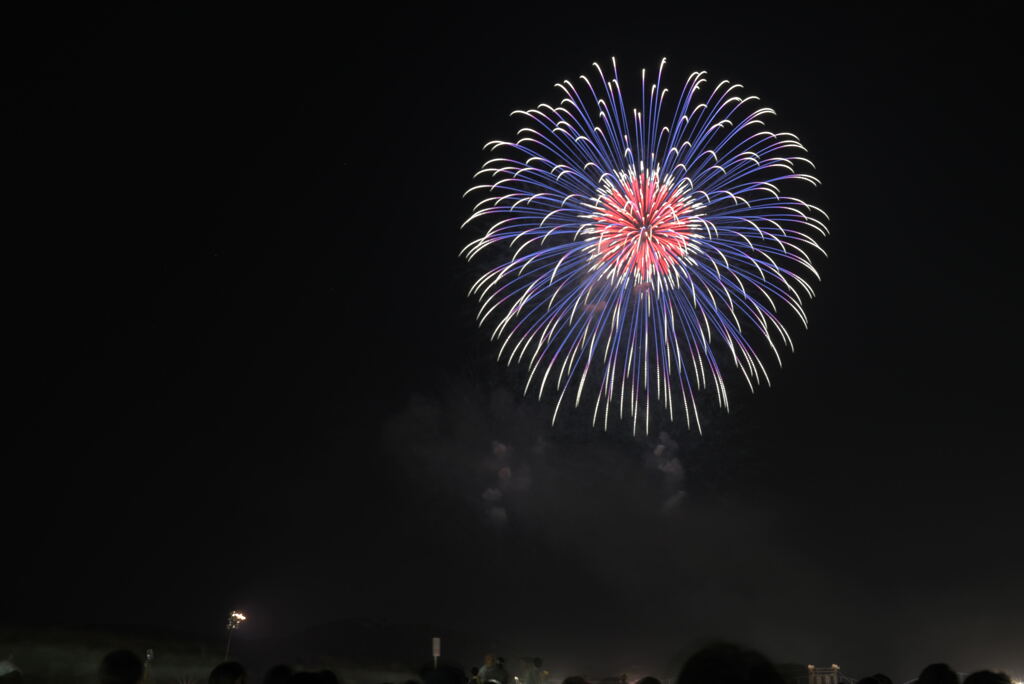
point(640, 250)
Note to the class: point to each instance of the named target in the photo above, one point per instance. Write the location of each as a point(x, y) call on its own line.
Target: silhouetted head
point(873, 679)
point(304, 678)
point(474, 671)
point(728, 664)
point(649, 680)
point(987, 677)
point(881, 678)
point(443, 674)
point(279, 674)
point(327, 677)
point(938, 673)
point(538, 662)
point(575, 679)
point(228, 673)
point(121, 667)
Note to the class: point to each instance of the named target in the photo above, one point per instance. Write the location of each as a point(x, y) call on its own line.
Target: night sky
point(245, 373)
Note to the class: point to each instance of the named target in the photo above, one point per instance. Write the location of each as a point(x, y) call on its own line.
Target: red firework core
point(642, 227)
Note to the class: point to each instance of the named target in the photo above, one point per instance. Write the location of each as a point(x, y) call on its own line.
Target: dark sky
point(245, 373)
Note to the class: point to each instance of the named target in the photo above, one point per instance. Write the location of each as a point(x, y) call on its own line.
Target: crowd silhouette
point(717, 664)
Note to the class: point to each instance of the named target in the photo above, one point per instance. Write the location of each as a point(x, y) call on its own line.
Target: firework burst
point(640, 250)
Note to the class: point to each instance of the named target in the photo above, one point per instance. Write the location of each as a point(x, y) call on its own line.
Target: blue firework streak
point(642, 249)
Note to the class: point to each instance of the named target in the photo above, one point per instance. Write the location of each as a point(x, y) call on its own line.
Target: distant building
point(823, 675)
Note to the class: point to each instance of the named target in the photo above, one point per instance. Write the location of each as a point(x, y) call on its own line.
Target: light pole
point(234, 620)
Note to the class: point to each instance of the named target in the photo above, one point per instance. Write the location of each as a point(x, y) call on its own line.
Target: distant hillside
point(362, 651)
point(72, 655)
point(370, 643)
